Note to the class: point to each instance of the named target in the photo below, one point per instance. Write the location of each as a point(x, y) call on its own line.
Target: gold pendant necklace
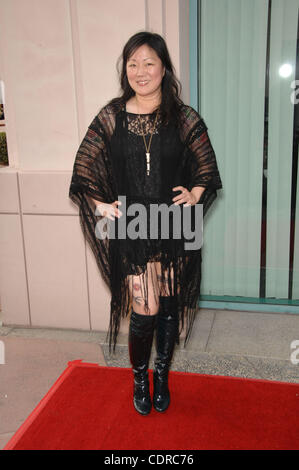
point(147, 147)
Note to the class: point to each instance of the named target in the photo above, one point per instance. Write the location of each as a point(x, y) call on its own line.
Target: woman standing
point(151, 148)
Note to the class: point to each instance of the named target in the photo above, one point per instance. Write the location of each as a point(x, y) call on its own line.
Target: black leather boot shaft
point(166, 337)
point(141, 331)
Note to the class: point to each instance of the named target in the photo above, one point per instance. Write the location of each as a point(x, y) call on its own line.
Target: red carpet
point(90, 407)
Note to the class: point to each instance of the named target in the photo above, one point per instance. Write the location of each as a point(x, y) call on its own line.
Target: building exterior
point(236, 60)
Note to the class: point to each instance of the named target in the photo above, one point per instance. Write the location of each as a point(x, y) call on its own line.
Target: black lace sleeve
point(92, 178)
point(90, 166)
point(203, 165)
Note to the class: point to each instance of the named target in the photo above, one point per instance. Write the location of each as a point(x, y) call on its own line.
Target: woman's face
point(145, 71)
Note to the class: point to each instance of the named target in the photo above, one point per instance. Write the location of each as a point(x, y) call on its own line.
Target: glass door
point(244, 81)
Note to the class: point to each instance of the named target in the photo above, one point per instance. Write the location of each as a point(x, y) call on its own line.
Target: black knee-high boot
point(166, 337)
point(141, 331)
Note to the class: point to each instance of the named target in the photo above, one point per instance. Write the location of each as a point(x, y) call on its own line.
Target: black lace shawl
point(93, 176)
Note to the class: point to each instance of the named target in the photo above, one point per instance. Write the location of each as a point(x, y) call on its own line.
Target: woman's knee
point(166, 281)
point(144, 304)
point(144, 308)
point(141, 306)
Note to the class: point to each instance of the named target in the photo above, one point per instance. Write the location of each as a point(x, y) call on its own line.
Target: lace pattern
point(146, 122)
point(139, 183)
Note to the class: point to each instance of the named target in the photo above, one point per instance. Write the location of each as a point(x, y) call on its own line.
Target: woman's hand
point(186, 197)
point(109, 210)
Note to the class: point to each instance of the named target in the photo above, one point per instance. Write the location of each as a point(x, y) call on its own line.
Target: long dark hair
point(171, 86)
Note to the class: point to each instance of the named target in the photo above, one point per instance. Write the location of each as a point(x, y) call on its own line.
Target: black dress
point(138, 187)
point(110, 163)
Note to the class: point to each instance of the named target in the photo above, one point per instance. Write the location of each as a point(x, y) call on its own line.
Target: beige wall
point(58, 63)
